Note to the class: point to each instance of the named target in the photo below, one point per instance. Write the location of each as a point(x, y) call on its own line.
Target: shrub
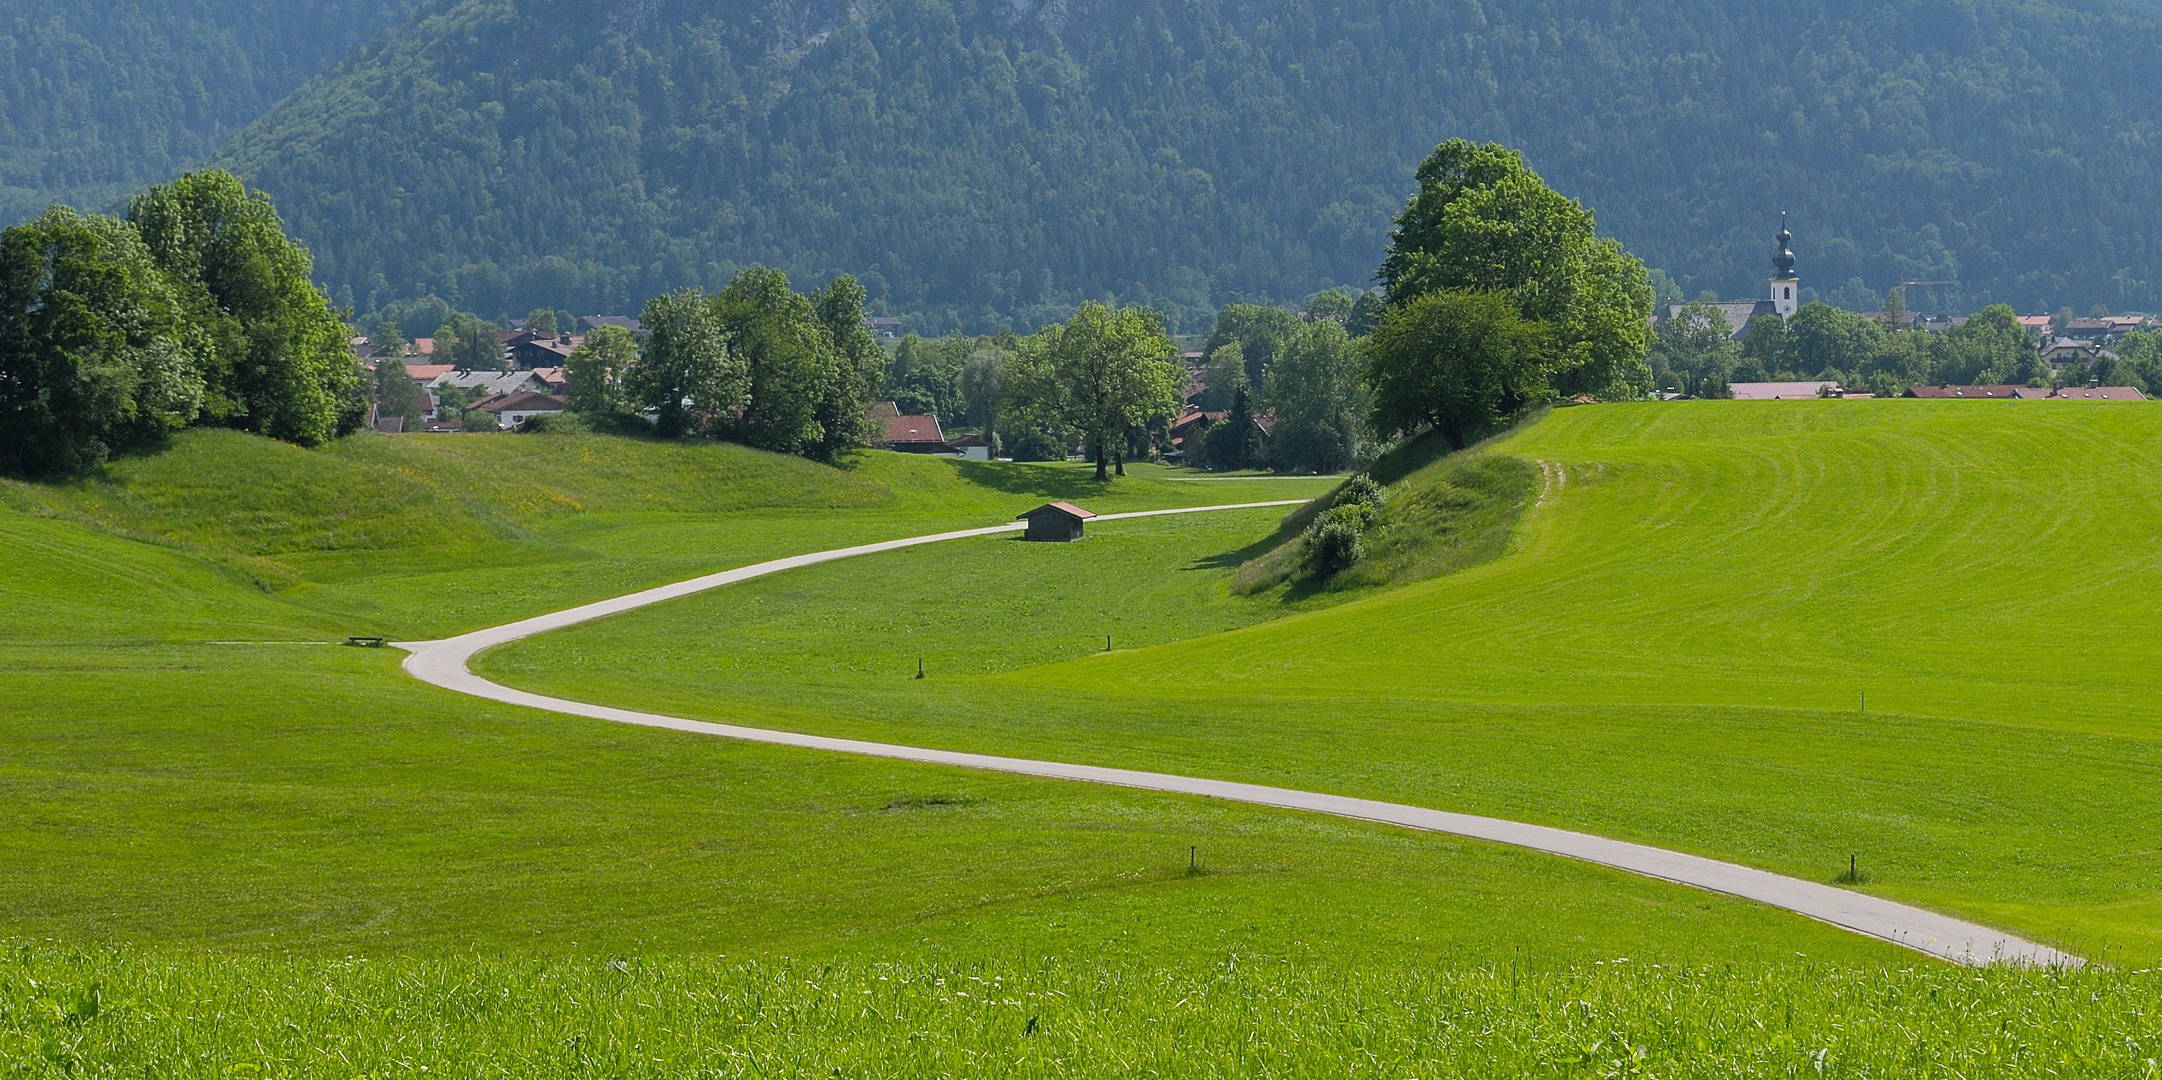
point(1361, 490)
point(1332, 541)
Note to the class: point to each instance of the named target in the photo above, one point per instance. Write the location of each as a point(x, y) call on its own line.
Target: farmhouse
point(511, 410)
point(1774, 391)
point(1996, 392)
point(1060, 521)
point(542, 350)
point(487, 382)
point(2098, 393)
point(909, 434)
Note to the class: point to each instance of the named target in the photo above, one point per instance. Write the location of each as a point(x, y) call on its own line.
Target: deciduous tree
point(284, 365)
point(1107, 371)
point(597, 372)
point(1482, 222)
point(686, 370)
point(1454, 362)
point(857, 368)
point(95, 353)
point(1315, 392)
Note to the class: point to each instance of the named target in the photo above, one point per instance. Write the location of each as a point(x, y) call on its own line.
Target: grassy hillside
point(505, 154)
point(191, 783)
point(291, 856)
point(422, 535)
point(1675, 652)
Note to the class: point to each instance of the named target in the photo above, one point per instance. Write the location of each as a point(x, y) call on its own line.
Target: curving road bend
point(443, 663)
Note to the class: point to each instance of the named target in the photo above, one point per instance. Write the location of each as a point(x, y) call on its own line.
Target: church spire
point(1784, 283)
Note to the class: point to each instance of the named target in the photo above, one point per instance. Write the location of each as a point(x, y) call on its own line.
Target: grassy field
point(125, 1013)
point(307, 799)
point(415, 536)
point(1676, 652)
point(293, 860)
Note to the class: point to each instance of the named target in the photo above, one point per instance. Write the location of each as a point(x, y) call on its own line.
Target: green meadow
point(1653, 622)
point(1676, 651)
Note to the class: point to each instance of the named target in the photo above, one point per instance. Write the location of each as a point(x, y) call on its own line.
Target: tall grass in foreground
point(127, 1013)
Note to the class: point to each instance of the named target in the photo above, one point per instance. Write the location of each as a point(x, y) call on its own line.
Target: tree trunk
point(1118, 463)
point(1100, 474)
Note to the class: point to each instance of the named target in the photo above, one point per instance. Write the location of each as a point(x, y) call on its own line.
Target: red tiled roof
point(913, 429)
point(426, 372)
point(2099, 393)
point(1066, 508)
point(1998, 392)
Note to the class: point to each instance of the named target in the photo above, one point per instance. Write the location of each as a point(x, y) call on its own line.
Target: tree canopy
point(196, 308)
point(978, 168)
point(1481, 222)
point(95, 351)
point(281, 360)
point(1105, 373)
point(1455, 362)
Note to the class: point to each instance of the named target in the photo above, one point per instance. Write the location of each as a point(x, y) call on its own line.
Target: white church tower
point(1784, 283)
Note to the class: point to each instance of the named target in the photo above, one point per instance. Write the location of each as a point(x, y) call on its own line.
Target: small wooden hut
point(1055, 521)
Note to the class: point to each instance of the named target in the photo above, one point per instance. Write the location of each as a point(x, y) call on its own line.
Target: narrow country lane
point(443, 663)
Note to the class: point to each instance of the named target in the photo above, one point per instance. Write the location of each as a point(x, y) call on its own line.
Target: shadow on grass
point(1232, 560)
point(1053, 480)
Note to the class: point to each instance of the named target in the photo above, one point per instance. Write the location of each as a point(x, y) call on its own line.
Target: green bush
point(1332, 541)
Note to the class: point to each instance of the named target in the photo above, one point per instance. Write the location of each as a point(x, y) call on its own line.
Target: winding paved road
point(443, 663)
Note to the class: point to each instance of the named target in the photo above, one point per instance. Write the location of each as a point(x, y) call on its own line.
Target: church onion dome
point(1783, 258)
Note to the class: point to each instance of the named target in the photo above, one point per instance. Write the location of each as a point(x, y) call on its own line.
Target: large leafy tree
point(397, 395)
point(1455, 362)
point(597, 370)
point(1695, 351)
point(282, 362)
point(1258, 331)
point(857, 369)
point(1483, 222)
point(470, 343)
point(983, 388)
point(1315, 392)
point(95, 353)
point(790, 361)
point(686, 371)
point(1103, 374)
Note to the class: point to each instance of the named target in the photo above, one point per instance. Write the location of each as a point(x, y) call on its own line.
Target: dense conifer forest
point(976, 162)
point(101, 98)
point(972, 161)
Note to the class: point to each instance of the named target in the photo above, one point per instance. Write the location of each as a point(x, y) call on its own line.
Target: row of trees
point(1696, 353)
point(195, 308)
point(755, 363)
point(1497, 294)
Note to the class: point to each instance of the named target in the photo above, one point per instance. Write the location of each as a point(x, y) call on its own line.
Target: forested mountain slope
point(975, 159)
point(101, 97)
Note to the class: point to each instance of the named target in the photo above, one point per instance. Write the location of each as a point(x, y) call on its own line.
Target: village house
point(909, 434)
point(487, 382)
point(2097, 393)
point(1996, 392)
point(511, 410)
point(1775, 391)
point(529, 351)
